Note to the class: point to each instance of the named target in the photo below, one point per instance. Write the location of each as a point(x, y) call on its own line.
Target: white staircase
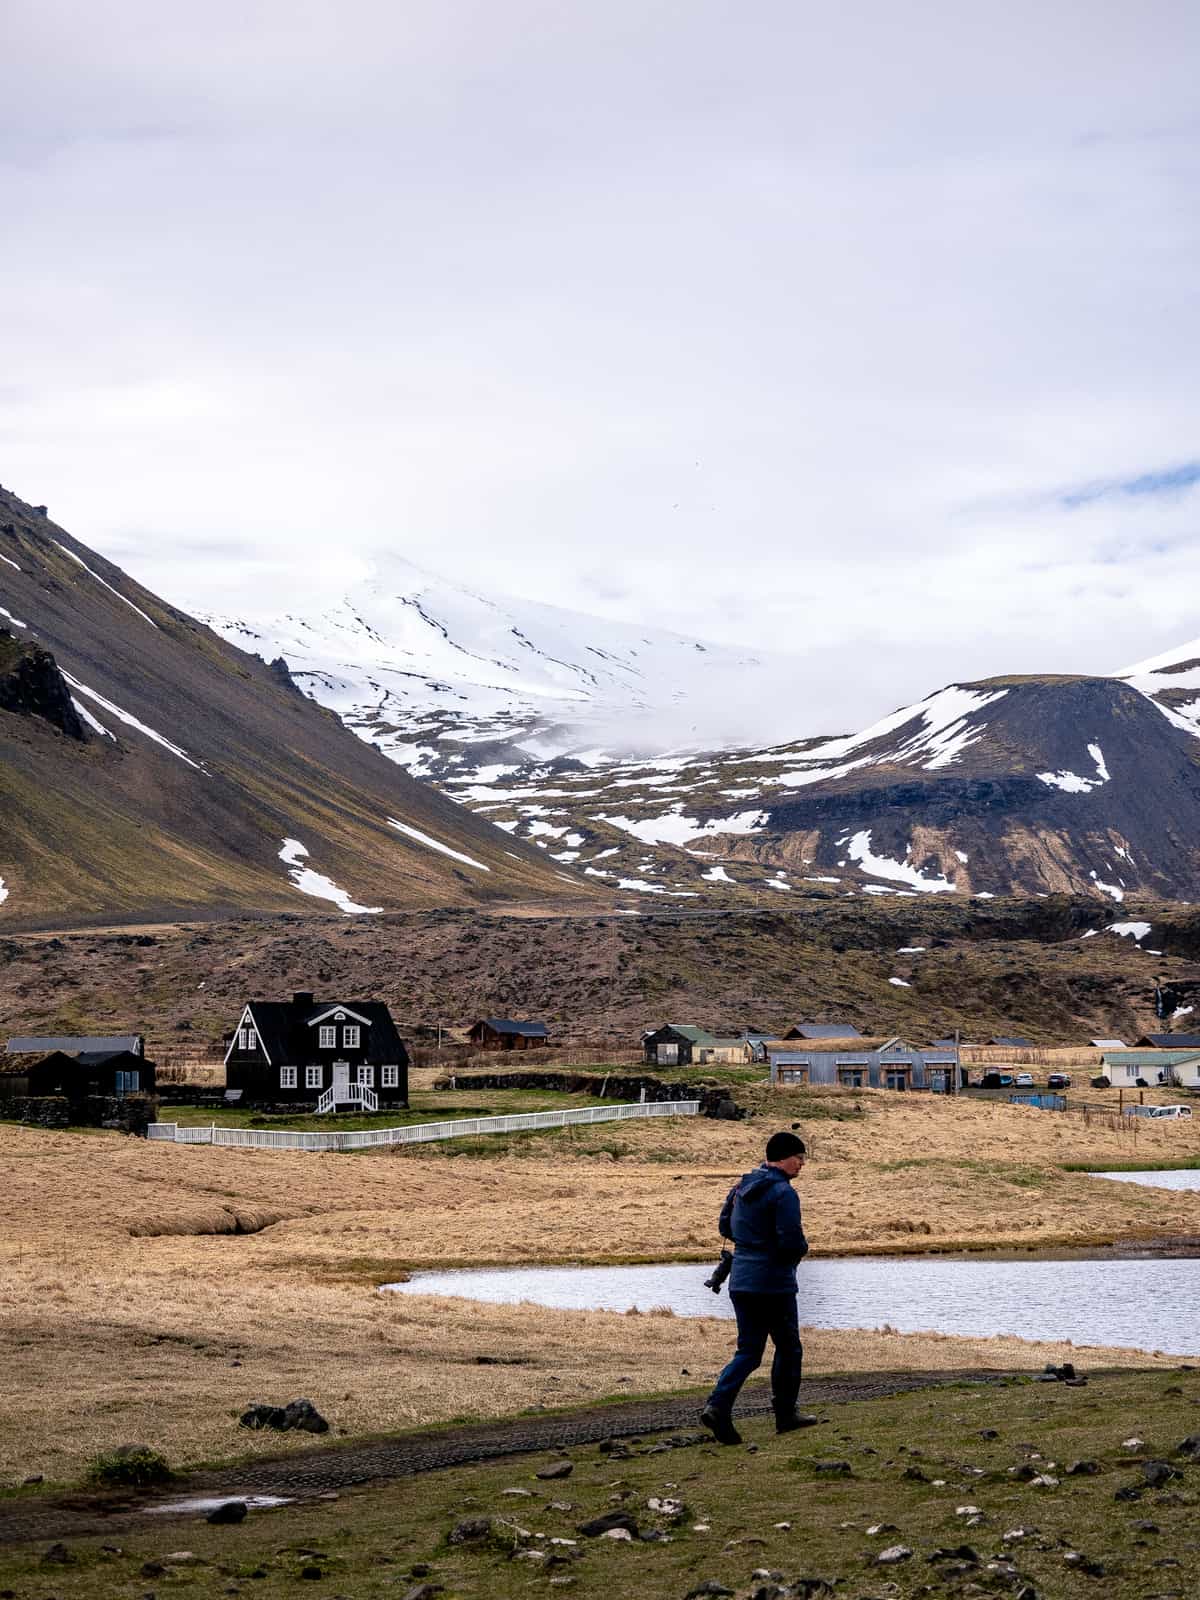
point(351, 1094)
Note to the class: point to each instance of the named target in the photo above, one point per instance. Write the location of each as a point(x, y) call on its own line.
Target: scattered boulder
point(301, 1414)
point(710, 1586)
point(1156, 1473)
point(958, 1552)
point(1190, 1447)
point(893, 1555)
point(1083, 1469)
point(833, 1469)
point(558, 1469)
point(597, 1527)
point(229, 1511)
point(471, 1530)
point(58, 1555)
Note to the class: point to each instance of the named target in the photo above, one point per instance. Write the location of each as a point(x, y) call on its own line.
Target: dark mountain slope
point(191, 766)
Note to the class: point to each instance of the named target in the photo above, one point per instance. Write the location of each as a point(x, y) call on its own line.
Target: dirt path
point(324, 1469)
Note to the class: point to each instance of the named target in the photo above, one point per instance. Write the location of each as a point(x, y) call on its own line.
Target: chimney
point(302, 1000)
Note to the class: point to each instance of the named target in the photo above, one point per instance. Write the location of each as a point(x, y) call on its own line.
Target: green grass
point(1190, 1165)
point(378, 1542)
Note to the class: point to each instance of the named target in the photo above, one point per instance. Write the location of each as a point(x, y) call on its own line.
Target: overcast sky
point(863, 332)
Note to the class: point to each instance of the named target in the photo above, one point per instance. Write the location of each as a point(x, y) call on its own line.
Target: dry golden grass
point(132, 1308)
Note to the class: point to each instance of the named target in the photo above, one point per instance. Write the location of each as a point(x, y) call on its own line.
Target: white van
point(1171, 1111)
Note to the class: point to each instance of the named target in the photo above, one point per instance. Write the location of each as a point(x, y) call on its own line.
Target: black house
point(503, 1033)
point(319, 1054)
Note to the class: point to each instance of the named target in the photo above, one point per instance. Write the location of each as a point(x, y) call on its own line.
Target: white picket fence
point(416, 1132)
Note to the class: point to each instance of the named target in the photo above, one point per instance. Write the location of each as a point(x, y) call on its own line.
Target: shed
point(1109, 1044)
point(868, 1063)
point(75, 1077)
point(502, 1033)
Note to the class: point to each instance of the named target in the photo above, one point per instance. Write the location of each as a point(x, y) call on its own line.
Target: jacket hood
point(755, 1185)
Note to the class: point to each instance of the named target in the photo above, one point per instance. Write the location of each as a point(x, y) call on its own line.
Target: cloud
point(771, 328)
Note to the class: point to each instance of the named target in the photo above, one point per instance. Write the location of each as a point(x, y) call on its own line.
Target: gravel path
point(331, 1468)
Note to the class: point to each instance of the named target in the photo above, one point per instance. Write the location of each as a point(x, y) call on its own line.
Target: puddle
point(203, 1504)
point(1180, 1179)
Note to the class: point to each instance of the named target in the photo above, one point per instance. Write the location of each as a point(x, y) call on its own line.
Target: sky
point(865, 334)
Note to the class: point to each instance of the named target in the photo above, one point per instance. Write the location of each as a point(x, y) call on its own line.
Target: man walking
point(761, 1215)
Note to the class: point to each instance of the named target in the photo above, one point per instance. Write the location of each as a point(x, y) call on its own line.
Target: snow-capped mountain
point(541, 721)
point(425, 668)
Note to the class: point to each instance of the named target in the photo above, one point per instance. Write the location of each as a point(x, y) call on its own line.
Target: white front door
point(341, 1081)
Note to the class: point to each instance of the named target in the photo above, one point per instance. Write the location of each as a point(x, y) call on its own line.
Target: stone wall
point(130, 1113)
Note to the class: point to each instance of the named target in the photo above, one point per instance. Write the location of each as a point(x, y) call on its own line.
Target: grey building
point(868, 1063)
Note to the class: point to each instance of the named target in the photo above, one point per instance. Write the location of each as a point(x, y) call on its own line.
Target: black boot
point(789, 1421)
point(720, 1425)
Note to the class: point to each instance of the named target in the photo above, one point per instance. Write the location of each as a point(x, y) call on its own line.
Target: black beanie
point(782, 1145)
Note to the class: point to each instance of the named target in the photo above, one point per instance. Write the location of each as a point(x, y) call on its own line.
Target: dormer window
point(327, 1038)
point(351, 1034)
point(247, 1039)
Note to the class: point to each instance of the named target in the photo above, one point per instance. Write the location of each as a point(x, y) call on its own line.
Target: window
point(366, 1076)
point(126, 1083)
point(247, 1039)
point(287, 1077)
point(390, 1078)
point(793, 1074)
point(852, 1077)
point(312, 1077)
point(350, 1036)
point(327, 1038)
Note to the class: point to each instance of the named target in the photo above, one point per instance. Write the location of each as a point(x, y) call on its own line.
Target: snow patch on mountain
point(130, 721)
point(293, 854)
point(436, 844)
point(1072, 783)
point(859, 849)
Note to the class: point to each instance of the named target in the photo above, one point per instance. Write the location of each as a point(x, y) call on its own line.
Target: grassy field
point(166, 1285)
point(929, 1472)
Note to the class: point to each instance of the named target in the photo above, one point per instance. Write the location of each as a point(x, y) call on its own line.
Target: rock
point(833, 1469)
point(1156, 1473)
point(471, 1530)
point(877, 1528)
point(1189, 1447)
point(259, 1415)
point(967, 1511)
point(304, 1415)
point(229, 1511)
point(423, 1591)
point(668, 1507)
point(988, 1433)
point(151, 1569)
point(1128, 1492)
point(1083, 1469)
point(617, 1533)
point(1146, 1527)
point(558, 1469)
point(708, 1587)
point(27, 1483)
point(1133, 1443)
point(517, 1494)
point(958, 1552)
point(893, 1555)
point(598, 1526)
point(57, 1555)
point(915, 1475)
point(312, 1572)
point(1081, 1563)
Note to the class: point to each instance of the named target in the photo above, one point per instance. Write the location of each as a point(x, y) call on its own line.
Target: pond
point(1179, 1179)
point(1146, 1304)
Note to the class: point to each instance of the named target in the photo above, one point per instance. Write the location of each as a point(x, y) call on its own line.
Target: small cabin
point(317, 1054)
point(502, 1033)
point(681, 1044)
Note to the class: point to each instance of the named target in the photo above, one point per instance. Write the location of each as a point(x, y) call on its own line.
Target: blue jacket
point(761, 1215)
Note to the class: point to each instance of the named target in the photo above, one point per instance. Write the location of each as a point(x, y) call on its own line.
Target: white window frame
point(389, 1077)
point(366, 1075)
point(351, 1036)
point(287, 1077)
point(313, 1077)
point(327, 1037)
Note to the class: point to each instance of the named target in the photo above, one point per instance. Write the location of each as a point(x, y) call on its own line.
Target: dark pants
point(761, 1317)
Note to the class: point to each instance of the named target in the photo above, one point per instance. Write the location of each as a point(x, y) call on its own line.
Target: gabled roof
point(73, 1044)
point(1170, 1041)
point(855, 1044)
point(823, 1030)
point(283, 1028)
point(1015, 1042)
point(527, 1030)
point(1109, 1044)
point(688, 1031)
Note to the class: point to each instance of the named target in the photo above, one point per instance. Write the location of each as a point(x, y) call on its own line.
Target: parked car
point(997, 1080)
point(1024, 1080)
point(1059, 1080)
point(1171, 1111)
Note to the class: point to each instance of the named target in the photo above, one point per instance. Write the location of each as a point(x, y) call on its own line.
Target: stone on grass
point(710, 1586)
point(1156, 1473)
point(1190, 1447)
point(558, 1469)
point(1083, 1469)
point(471, 1530)
point(596, 1527)
point(958, 1552)
point(893, 1555)
point(833, 1469)
point(228, 1511)
point(57, 1555)
point(1128, 1492)
point(617, 1533)
point(301, 1414)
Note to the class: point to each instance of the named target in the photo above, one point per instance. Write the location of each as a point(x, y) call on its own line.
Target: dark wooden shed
point(75, 1077)
point(502, 1033)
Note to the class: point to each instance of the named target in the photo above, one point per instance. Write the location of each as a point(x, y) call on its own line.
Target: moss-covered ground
point(951, 1476)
